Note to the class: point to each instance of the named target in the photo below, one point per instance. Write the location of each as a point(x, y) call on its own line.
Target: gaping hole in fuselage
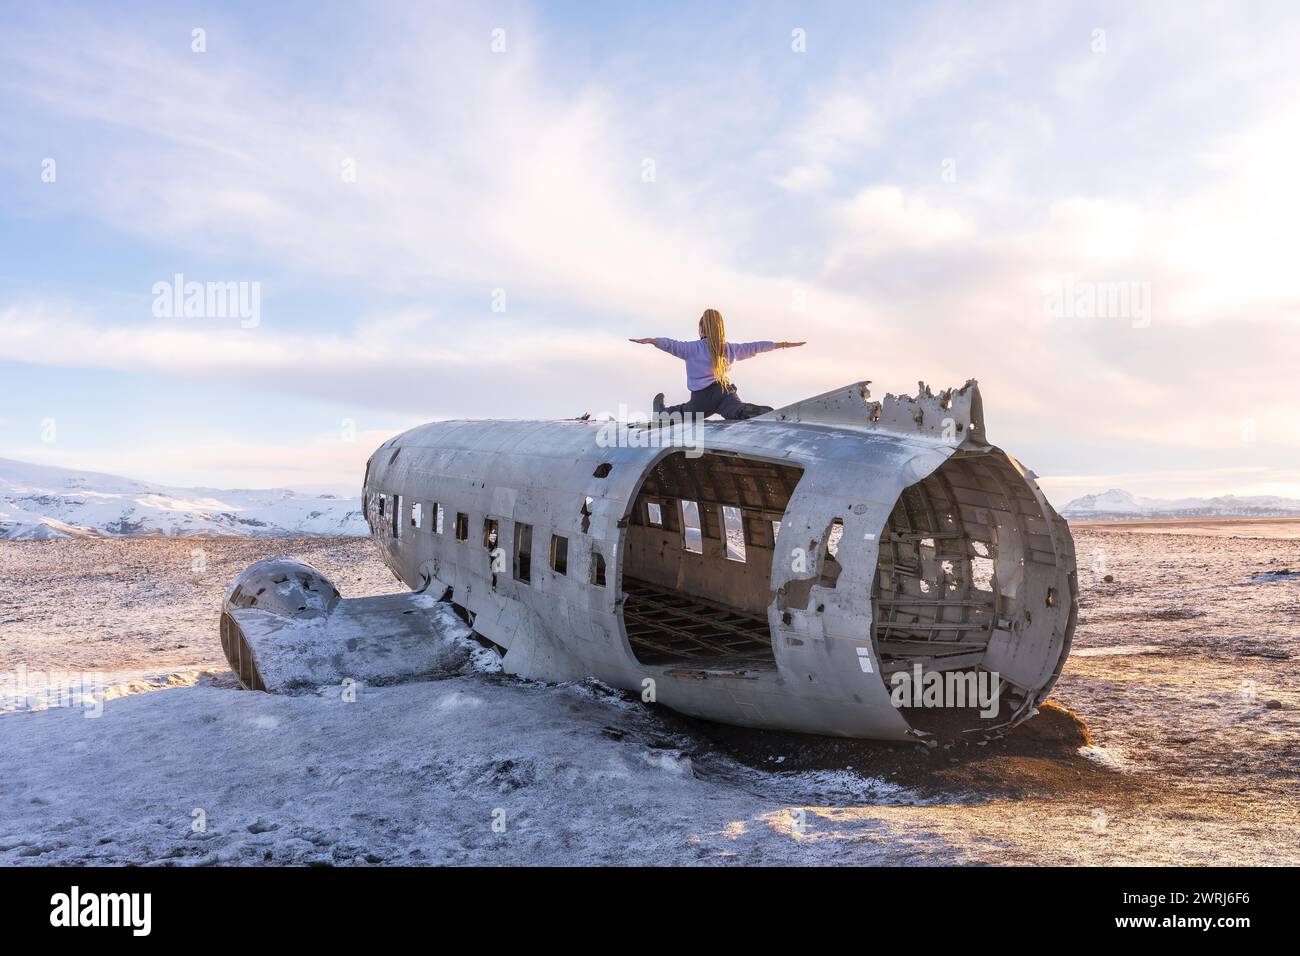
point(696, 568)
point(944, 589)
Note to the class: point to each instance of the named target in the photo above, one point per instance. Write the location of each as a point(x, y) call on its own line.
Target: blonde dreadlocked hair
point(714, 332)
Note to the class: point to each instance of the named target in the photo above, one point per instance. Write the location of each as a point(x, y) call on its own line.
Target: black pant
point(716, 400)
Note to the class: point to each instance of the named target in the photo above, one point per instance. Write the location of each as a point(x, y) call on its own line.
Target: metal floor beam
point(667, 627)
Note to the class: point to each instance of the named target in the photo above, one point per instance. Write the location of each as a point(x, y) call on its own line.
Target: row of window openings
point(523, 559)
point(733, 526)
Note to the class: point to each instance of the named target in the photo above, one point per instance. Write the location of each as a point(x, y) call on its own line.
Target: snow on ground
point(1189, 762)
point(418, 773)
point(38, 502)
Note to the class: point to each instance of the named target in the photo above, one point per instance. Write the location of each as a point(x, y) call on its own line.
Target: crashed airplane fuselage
point(778, 572)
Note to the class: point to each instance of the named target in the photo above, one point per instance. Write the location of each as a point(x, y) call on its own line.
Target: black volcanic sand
point(1039, 757)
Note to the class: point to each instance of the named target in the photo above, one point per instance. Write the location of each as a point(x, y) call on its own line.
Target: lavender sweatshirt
point(699, 371)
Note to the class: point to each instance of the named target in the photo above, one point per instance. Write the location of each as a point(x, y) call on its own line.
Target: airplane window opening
point(523, 552)
point(692, 537)
point(734, 524)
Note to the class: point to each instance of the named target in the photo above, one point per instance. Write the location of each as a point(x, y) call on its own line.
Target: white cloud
point(885, 220)
point(807, 178)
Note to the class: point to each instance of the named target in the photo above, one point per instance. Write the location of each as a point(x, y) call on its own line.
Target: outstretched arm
point(739, 351)
point(671, 346)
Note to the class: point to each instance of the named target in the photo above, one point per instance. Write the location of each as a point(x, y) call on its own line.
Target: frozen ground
point(1176, 662)
point(127, 604)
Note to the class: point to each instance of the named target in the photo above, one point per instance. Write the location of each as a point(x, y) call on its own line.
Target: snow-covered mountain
point(1115, 504)
point(40, 502)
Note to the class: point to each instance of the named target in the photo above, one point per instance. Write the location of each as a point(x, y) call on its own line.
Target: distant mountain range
point(39, 502)
point(1116, 504)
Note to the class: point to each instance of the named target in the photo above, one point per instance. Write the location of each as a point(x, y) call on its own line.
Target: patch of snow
point(1117, 650)
point(458, 701)
point(313, 651)
point(672, 761)
point(1107, 757)
point(847, 784)
point(404, 774)
point(36, 690)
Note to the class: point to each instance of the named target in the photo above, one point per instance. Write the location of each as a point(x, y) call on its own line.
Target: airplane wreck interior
point(697, 561)
point(953, 558)
point(702, 533)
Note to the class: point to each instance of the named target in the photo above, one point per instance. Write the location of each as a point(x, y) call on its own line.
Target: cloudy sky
point(466, 211)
